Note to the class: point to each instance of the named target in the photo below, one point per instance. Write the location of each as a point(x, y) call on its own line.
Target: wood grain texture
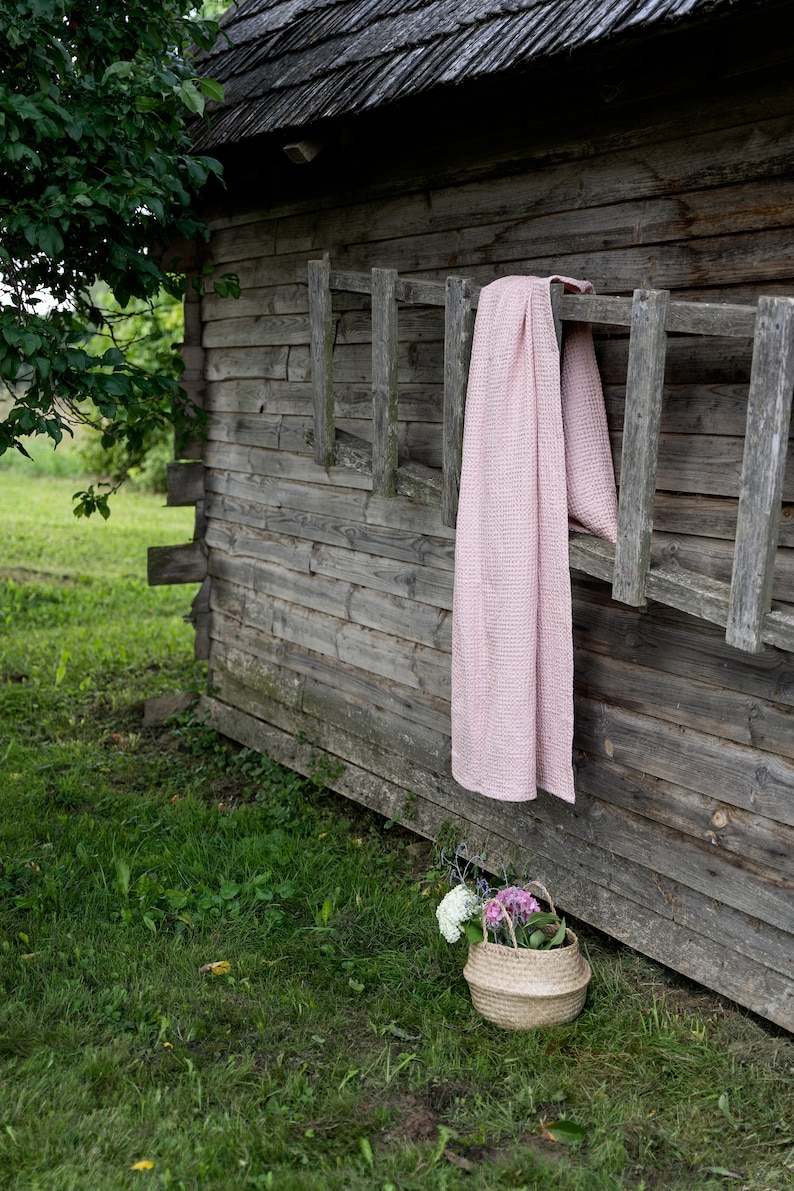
point(384, 381)
point(459, 332)
point(322, 357)
point(176, 564)
point(763, 470)
point(184, 483)
point(644, 385)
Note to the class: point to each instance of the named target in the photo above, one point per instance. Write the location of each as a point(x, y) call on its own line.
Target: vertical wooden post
point(557, 289)
point(458, 334)
point(321, 327)
point(384, 381)
point(760, 493)
point(644, 389)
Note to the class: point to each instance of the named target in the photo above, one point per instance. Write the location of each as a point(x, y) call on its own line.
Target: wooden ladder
point(744, 606)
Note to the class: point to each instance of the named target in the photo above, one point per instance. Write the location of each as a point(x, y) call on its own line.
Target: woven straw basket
point(518, 988)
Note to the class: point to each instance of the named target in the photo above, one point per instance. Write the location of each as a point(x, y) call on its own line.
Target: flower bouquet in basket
point(524, 967)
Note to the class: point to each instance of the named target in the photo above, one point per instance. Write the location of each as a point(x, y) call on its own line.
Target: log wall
point(331, 606)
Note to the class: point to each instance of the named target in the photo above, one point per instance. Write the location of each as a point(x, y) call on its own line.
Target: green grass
point(340, 1051)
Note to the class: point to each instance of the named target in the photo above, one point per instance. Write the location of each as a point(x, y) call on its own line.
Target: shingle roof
point(291, 63)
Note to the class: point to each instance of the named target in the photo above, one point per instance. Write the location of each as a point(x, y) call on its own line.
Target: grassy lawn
point(340, 1049)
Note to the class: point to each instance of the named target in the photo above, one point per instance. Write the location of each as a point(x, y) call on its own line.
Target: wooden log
point(184, 483)
point(384, 381)
point(766, 438)
point(177, 564)
point(322, 359)
point(459, 331)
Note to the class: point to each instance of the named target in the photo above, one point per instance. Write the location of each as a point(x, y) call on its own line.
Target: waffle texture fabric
point(536, 461)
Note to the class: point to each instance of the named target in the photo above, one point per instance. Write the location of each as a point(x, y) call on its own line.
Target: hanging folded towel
point(536, 459)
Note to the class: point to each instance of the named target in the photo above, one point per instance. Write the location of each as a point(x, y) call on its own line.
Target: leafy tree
point(95, 170)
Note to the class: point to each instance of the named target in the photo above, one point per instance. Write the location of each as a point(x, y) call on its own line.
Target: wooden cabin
point(383, 162)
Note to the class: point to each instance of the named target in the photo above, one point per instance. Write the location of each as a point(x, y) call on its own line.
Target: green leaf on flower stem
point(537, 939)
point(473, 932)
point(559, 937)
point(568, 1132)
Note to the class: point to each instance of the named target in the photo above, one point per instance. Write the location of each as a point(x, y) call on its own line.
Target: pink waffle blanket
point(536, 461)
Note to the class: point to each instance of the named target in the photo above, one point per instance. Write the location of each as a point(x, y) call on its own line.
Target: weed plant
point(334, 1045)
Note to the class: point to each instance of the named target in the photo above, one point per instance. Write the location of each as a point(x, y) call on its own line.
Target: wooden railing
point(744, 606)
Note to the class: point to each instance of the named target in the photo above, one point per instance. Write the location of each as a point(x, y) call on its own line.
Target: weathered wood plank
point(768, 418)
point(422, 403)
point(243, 681)
point(459, 332)
point(267, 463)
point(322, 360)
point(336, 597)
point(245, 541)
point(695, 318)
point(392, 657)
point(680, 698)
point(417, 363)
point(649, 157)
point(384, 381)
point(342, 502)
point(714, 558)
point(422, 583)
point(176, 564)
point(644, 387)
point(350, 327)
point(704, 464)
point(745, 777)
point(184, 483)
point(200, 619)
point(596, 888)
point(268, 363)
point(715, 409)
point(402, 545)
point(707, 360)
point(391, 703)
point(743, 838)
point(673, 643)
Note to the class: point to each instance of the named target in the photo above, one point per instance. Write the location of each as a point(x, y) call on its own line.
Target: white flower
point(453, 910)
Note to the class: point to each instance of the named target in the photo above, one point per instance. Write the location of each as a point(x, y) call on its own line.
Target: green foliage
point(95, 171)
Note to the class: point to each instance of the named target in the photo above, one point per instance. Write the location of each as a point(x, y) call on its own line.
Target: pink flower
point(494, 915)
point(518, 903)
